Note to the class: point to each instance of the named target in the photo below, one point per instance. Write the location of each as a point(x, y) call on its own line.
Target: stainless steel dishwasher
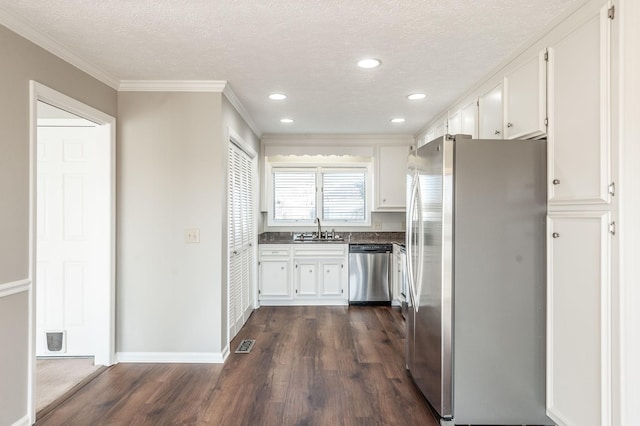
point(369, 274)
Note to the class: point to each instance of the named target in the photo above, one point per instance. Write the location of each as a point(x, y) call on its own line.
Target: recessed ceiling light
point(416, 96)
point(369, 63)
point(277, 96)
point(287, 120)
point(397, 120)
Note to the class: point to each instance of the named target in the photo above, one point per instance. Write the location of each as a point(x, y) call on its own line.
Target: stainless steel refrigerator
point(476, 254)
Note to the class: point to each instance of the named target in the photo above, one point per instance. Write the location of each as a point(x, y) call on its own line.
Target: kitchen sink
point(314, 237)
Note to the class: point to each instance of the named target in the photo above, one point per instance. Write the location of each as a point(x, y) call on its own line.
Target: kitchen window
point(338, 196)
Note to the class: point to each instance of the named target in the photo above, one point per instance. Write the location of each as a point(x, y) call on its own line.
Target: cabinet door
point(525, 103)
point(490, 114)
point(578, 318)
point(274, 278)
point(440, 129)
point(469, 116)
point(332, 283)
point(391, 161)
point(454, 124)
point(579, 135)
point(431, 135)
point(306, 278)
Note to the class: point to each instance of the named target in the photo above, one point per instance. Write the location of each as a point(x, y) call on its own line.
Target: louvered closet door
point(241, 236)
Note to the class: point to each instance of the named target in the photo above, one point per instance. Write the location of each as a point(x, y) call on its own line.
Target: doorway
point(72, 238)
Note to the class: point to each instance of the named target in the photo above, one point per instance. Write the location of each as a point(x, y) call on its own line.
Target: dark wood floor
point(309, 366)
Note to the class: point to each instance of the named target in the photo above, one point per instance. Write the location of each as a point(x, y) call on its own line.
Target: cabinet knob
point(282, 267)
point(556, 181)
point(497, 132)
point(384, 200)
point(509, 124)
point(555, 235)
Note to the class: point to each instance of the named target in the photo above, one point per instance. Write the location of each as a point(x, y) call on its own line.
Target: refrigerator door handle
point(410, 235)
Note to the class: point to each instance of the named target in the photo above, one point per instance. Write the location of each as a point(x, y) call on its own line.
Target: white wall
point(23, 61)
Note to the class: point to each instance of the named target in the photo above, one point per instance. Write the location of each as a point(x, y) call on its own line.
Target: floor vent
point(245, 346)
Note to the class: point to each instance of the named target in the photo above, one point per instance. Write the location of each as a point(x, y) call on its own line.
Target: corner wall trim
point(14, 287)
point(174, 357)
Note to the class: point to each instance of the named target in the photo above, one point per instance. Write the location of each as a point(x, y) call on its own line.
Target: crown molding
point(23, 29)
point(233, 99)
point(172, 86)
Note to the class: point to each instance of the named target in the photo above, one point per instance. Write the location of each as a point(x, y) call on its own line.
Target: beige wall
point(14, 357)
point(23, 61)
point(172, 171)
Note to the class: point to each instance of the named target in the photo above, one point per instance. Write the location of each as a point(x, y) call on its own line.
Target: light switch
point(192, 235)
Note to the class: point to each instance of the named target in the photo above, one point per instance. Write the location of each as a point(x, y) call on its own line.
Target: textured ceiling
point(306, 49)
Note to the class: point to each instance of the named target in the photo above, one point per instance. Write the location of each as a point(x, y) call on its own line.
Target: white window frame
point(319, 169)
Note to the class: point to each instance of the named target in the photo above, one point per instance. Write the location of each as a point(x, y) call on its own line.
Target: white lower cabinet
point(578, 318)
point(274, 272)
point(321, 273)
point(304, 274)
point(306, 281)
point(332, 278)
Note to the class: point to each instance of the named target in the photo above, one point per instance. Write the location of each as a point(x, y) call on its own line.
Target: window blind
point(344, 196)
point(294, 195)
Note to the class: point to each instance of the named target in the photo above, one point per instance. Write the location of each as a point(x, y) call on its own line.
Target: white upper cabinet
point(391, 165)
point(490, 114)
point(441, 129)
point(431, 135)
point(454, 123)
point(579, 98)
point(469, 119)
point(525, 99)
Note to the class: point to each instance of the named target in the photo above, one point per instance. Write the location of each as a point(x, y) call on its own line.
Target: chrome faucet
point(317, 220)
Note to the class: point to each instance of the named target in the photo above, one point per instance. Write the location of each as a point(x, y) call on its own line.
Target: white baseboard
point(174, 357)
point(304, 302)
point(25, 421)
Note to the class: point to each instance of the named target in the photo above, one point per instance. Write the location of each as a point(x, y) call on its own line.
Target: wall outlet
point(192, 235)
point(377, 225)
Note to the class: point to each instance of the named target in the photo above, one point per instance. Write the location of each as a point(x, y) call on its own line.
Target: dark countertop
point(349, 238)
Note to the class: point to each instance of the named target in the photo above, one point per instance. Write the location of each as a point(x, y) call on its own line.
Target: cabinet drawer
point(316, 252)
point(273, 250)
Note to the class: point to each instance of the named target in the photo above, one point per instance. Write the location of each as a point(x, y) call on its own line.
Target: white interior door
point(66, 263)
